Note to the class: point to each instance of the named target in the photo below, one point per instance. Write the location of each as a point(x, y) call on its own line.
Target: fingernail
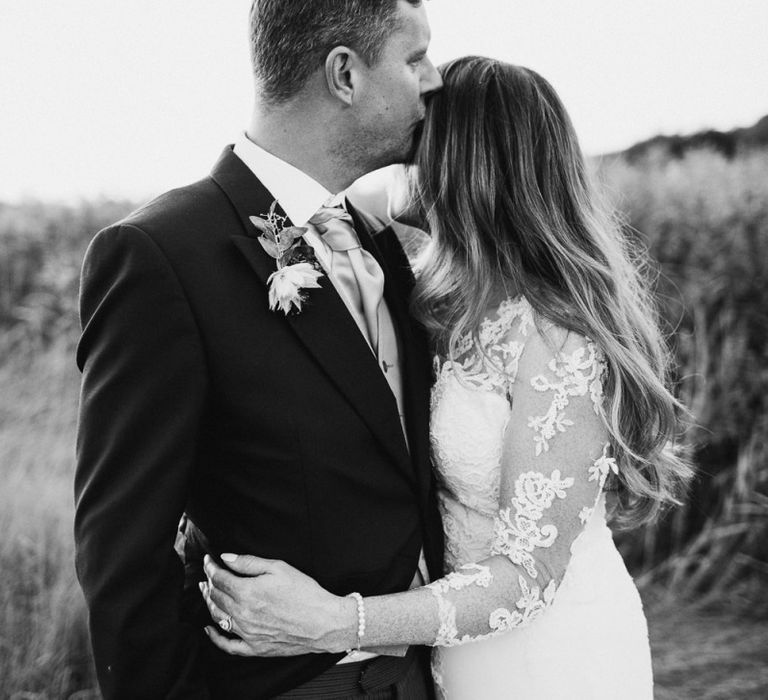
point(207, 630)
point(201, 586)
point(229, 557)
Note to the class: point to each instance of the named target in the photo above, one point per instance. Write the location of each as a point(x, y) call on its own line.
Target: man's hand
point(275, 609)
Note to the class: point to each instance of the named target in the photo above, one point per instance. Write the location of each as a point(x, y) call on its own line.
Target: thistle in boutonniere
point(297, 266)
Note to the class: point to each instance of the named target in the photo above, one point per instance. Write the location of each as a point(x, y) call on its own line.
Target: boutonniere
point(297, 266)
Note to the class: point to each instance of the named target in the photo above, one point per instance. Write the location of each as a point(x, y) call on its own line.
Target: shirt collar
point(298, 194)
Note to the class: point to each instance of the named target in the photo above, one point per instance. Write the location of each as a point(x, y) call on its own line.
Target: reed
point(704, 219)
point(44, 649)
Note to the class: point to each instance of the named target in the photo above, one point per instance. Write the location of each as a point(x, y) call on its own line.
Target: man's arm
point(143, 388)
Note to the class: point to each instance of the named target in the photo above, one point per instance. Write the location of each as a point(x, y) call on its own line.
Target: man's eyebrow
point(417, 55)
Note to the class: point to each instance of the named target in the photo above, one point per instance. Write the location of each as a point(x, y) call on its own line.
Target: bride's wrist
point(344, 625)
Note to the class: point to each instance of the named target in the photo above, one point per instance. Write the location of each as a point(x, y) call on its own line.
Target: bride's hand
point(275, 609)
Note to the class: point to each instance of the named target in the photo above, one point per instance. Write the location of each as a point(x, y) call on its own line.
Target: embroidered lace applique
point(577, 375)
point(493, 366)
point(603, 466)
point(467, 575)
point(585, 514)
point(516, 537)
point(529, 606)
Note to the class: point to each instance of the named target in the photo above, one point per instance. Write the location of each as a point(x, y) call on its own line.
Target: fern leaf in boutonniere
point(297, 266)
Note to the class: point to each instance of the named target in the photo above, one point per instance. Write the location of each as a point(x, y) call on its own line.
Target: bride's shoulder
point(557, 359)
point(381, 194)
point(541, 341)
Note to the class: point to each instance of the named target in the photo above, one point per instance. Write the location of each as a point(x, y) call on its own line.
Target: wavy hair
point(502, 184)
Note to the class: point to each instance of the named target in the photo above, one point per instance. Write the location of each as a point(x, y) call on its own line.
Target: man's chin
point(404, 154)
point(410, 149)
point(418, 130)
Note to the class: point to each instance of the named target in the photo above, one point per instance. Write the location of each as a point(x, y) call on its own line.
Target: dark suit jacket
point(271, 435)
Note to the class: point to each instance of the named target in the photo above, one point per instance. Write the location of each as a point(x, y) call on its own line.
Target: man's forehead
point(414, 22)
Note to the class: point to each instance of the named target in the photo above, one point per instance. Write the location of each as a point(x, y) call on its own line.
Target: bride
point(549, 411)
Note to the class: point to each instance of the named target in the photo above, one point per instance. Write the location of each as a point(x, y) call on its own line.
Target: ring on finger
point(226, 623)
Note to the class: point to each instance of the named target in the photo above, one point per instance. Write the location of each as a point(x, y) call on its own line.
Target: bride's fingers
point(248, 565)
point(217, 613)
point(220, 578)
point(236, 647)
point(223, 600)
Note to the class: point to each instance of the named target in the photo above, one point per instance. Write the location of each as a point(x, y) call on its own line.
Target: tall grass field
point(703, 571)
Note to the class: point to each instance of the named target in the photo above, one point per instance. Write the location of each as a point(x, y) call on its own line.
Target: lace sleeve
point(554, 466)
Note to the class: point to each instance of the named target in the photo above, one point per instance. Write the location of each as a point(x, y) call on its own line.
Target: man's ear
point(341, 73)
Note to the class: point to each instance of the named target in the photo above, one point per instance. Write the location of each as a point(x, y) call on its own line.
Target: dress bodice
point(470, 410)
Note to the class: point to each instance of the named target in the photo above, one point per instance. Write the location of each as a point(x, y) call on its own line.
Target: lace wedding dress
point(521, 450)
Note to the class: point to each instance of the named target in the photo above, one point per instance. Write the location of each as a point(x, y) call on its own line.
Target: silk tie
point(362, 279)
point(360, 275)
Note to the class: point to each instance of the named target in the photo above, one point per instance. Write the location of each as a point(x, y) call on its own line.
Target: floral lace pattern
point(517, 537)
point(529, 606)
point(494, 366)
point(518, 481)
point(467, 575)
point(576, 374)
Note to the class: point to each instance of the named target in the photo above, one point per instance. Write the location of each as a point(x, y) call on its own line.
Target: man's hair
point(290, 39)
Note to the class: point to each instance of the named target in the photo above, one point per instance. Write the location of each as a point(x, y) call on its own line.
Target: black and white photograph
point(384, 350)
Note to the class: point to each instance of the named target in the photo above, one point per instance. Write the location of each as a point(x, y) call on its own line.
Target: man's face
point(391, 102)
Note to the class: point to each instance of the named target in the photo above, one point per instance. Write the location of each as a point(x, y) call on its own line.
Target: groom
point(299, 436)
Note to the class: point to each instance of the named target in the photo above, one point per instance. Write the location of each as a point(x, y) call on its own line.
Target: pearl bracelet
point(360, 617)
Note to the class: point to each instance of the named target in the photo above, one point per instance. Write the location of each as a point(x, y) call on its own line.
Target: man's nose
point(432, 80)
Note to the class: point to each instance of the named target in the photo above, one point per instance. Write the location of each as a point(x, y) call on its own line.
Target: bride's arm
point(553, 468)
point(554, 465)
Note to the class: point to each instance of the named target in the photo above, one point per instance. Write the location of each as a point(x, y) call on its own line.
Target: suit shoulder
point(199, 200)
point(176, 220)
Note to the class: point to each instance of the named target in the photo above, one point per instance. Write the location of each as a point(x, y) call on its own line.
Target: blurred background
point(106, 104)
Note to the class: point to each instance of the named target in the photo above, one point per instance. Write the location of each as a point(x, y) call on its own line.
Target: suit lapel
point(324, 325)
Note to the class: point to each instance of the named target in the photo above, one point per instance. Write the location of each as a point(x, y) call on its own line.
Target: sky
point(127, 99)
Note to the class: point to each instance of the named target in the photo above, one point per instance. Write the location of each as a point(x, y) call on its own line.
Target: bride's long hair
point(502, 184)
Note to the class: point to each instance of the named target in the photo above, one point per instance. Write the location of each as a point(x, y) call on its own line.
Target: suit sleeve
point(143, 389)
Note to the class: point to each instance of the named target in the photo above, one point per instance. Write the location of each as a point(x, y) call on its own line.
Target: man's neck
point(300, 136)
